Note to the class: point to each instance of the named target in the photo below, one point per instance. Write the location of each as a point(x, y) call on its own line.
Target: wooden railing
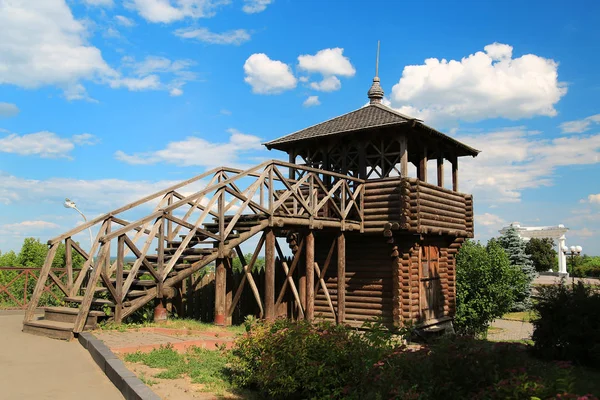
point(415, 206)
point(228, 196)
point(17, 284)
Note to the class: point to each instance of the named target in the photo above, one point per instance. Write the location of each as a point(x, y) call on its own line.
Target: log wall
point(369, 283)
point(417, 207)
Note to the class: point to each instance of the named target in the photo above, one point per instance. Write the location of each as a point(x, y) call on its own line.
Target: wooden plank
point(270, 275)
point(69, 262)
point(310, 276)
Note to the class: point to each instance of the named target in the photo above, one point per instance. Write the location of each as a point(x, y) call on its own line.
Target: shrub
point(568, 327)
point(299, 360)
point(542, 253)
point(486, 286)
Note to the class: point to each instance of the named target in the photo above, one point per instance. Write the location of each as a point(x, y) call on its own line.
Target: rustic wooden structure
point(367, 241)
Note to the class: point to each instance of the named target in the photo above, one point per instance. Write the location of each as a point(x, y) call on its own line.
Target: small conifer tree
point(515, 248)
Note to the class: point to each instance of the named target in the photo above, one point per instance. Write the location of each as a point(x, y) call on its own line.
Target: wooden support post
point(292, 160)
point(220, 295)
point(455, 173)
point(440, 170)
point(423, 165)
point(69, 263)
point(270, 275)
point(119, 279)
point(228, 290)
point(403, 157)
point(310, 276)
point(341, 274)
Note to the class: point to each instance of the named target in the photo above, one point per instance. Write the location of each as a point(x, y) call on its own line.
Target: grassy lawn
point(202, 366)
point(189, 324)
point(522, 316)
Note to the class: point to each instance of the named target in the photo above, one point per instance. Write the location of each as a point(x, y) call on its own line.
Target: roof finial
point(377, 62)
point(376, 92)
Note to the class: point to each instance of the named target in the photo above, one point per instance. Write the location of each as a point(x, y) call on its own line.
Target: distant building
point(556, 233)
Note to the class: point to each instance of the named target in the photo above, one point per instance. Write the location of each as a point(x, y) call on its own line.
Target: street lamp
point(71, 204)
point(572, 252)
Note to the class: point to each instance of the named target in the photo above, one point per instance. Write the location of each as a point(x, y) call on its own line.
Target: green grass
point(188, 324)
point(203, 366)
point(522, 316)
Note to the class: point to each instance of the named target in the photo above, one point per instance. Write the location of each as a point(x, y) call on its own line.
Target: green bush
point(486, 286)
point(300, 360)
point(568, 327)
point(286, 360)
point(586, 266)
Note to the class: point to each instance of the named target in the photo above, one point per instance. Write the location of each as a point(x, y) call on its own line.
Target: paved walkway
point(510, 330)
point(35, 367)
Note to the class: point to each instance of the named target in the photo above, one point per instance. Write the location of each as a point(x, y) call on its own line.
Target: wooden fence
point(17, 284)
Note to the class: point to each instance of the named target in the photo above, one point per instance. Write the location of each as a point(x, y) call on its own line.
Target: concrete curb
point(128, 384)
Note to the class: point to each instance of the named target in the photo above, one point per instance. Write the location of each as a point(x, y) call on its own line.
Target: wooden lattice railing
point(17, 284)
point(240, 204)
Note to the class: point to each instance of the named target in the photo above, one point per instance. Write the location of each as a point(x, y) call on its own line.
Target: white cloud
point(8, 110)
point(30, 226)
point(145, 74)
point(235, 37)
point(167, 11)
point(124, 21)
point(594, 198)
point(579, 126)
point(94, 196)
point(99, 3)
point(513, 160)
point(311, 101)
point(327, 62)
point(44, 144)
point(46, 46)
point(487, 84)
point(268, 76)
point(328, 84)
point(582, 233)
point(195, 151)
point(490, 220)
point(255, 6)
point(176, 92)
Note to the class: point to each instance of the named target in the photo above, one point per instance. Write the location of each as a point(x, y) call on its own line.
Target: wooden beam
point(455, 173)
point(423, 165)
point(119, 281)
point(403, 156)
point(292, 159)
point(310, 276)
point(220, 295)
point(341, 275)
point(440, 170)
point(69, 262)
point(270, 275)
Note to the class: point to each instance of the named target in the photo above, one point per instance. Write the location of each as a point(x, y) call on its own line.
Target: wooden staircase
point(187, 233)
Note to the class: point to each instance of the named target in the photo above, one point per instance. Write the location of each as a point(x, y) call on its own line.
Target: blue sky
point(104, 101)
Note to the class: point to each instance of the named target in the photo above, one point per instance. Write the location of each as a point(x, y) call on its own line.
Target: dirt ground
point(172, 389)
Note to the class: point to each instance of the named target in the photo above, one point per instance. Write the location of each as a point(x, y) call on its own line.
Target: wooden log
point(442, 199)
point(341, 274)
point(425, 222)
point(441, 218)
point(269, 296)
point(427, 201)
point(310, 276)
point(220, 292)
point(389, 182)
point(381, 191)
point(389, 210)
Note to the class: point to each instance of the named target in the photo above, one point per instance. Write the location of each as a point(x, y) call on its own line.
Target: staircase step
point(52, 329)
point(69, 315)
point(95, 301)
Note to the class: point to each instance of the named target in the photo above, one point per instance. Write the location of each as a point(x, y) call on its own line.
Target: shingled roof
point(370, 116)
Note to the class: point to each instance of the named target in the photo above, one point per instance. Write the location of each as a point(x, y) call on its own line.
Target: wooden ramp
point(184, 234)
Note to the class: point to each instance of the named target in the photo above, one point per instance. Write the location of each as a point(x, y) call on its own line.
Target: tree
point(259, 265)
point(514, 246)
point(33, 253)
point(486, 286)
point(9, 259)
point(542, 253)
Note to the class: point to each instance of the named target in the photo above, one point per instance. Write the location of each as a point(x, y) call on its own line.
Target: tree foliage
point(487, 285)
point(514, 246)
point(259, 265)
point(542, 253)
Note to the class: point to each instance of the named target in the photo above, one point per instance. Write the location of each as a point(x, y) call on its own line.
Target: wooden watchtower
point(401, 264)
point(368, 241)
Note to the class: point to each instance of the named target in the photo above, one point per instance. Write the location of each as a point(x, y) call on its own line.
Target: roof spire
point(376, 92)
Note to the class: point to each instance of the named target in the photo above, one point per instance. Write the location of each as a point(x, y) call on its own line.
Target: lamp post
point(572, 252)
point(71, 204)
